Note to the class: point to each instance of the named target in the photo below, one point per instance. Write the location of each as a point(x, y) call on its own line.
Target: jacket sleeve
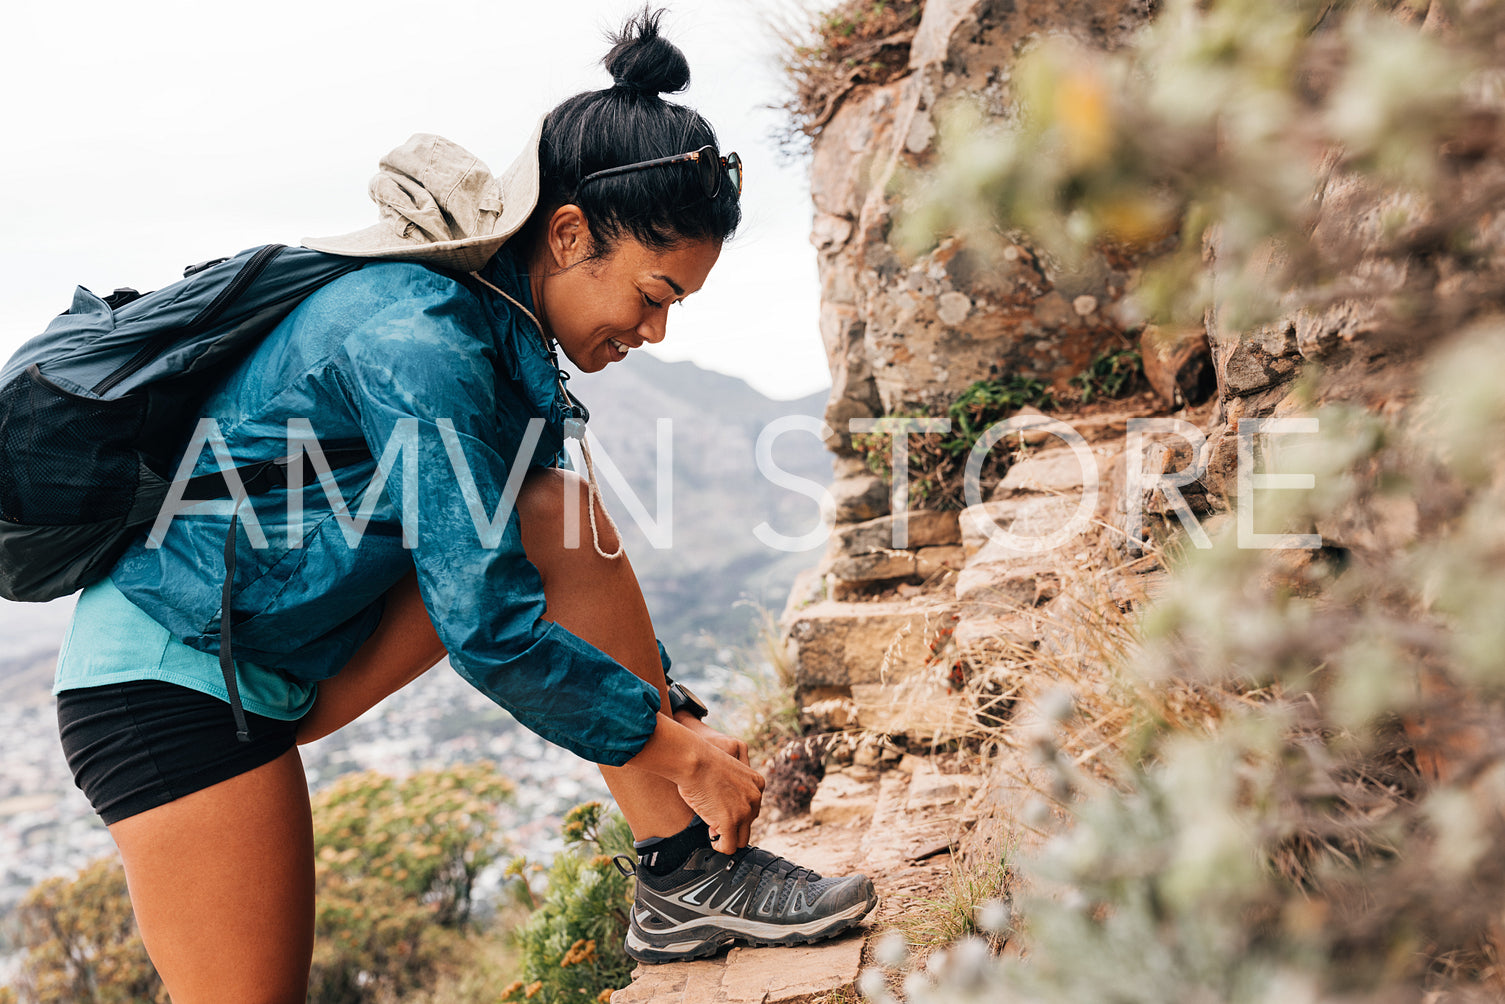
point(416, 374)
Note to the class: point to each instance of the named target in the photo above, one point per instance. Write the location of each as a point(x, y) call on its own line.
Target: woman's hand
point(725, 743)
point(721, 788)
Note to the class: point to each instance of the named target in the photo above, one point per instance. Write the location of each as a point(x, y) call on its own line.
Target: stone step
point(797, 975)
point(836, 644)
point(791, 975)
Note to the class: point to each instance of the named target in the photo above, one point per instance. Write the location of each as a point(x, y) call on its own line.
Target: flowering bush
point(573, 944)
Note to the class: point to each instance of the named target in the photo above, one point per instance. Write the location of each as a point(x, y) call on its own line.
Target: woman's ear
point(568, 237)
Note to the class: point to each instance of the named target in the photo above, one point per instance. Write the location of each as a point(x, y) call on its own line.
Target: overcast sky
point(140, 137)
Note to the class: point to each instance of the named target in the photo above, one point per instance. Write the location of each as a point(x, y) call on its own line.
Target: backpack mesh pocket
point(69, 458)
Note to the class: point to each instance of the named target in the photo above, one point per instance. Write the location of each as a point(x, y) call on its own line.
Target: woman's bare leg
point(403, 648)
point(599, 600)
point(222, 882)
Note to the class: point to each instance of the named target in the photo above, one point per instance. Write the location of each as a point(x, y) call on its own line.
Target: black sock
point(661, 855)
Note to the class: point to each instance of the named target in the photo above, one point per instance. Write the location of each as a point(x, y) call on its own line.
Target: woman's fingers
point(734, 748)
point(727, 794)
point(711, 774)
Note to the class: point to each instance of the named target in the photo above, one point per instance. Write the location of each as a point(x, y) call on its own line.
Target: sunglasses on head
point(709, 168)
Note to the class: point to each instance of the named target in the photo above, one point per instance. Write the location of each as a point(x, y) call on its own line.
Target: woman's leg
point(403, 648)
point(599, 600)
point(222, 882)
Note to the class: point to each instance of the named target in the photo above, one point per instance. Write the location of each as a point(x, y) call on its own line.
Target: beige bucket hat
point(438, 203)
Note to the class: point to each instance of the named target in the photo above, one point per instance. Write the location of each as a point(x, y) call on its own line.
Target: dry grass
point(930, 922)
point(1074, 658)
point(766, 717)
point(858, 42)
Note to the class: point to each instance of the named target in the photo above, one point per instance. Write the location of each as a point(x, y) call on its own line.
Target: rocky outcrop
point(1360, 347)
point(921, 628)
point(931, 660)
point(908, 327)
point(877, 634)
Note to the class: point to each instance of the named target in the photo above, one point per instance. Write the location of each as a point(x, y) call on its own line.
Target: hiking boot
point(751, 896)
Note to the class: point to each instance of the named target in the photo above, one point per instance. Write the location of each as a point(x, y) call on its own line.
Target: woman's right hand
point(724, 792)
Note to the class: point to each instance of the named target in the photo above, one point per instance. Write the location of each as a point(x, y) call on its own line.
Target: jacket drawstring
point(593, 490)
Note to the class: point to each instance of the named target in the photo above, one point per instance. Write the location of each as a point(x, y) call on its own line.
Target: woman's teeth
point(617, 345)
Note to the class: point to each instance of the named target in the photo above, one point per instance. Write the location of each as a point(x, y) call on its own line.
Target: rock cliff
point(931, 631)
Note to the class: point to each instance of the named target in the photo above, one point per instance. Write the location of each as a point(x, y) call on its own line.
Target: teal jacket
point(434, 378)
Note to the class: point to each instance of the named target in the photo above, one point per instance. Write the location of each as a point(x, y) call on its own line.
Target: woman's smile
point(600, 309)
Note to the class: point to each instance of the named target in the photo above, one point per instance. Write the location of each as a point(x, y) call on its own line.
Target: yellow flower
point(533, 988)
point(580, 951)
point(1136, 218)
point(1082, 111)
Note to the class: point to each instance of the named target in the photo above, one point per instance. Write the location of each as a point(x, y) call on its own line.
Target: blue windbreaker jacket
point(434, 378)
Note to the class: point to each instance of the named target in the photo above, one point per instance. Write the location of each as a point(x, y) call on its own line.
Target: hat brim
point(519, 190)
point(379, 241)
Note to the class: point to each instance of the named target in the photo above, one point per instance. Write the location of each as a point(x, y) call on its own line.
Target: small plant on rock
point(937, 462)
point(857, 42)
point(1111, 375)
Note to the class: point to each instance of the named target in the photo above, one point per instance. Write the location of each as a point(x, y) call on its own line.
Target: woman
point(616, 209)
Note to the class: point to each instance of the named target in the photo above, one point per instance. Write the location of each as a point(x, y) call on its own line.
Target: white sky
point(141, 137)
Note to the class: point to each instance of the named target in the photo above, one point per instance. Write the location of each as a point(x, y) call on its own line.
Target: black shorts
point(135, 746)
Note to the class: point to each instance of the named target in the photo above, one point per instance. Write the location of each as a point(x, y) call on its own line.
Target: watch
point(681, 698)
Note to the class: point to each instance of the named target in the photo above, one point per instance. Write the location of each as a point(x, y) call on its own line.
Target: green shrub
point(988, 402)
point(81, 942)
point(396, 864)
point(937, 461)
point(573, 945)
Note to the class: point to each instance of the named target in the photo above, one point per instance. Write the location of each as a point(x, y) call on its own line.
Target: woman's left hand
point(725, 743)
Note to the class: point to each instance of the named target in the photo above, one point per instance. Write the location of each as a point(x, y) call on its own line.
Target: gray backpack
point(95, 411)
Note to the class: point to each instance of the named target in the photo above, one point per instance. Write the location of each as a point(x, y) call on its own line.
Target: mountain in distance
point(705, 588)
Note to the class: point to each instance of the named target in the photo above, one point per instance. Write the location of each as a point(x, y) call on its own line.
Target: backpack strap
point(226, 657)
point(257, 479)
point(263, 476)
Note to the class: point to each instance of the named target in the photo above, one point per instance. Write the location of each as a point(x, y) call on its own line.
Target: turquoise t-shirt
point(111, 640)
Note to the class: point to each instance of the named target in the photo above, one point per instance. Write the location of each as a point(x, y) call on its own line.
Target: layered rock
point(906, 328)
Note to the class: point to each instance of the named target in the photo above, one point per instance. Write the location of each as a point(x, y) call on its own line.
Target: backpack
point(95, 411)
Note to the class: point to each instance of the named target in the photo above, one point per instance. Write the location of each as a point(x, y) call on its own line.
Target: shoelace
point(760, 860)
point(782, 868)
point(593, 490)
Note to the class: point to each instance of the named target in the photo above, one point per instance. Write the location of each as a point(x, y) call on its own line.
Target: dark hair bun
point(641, 59)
